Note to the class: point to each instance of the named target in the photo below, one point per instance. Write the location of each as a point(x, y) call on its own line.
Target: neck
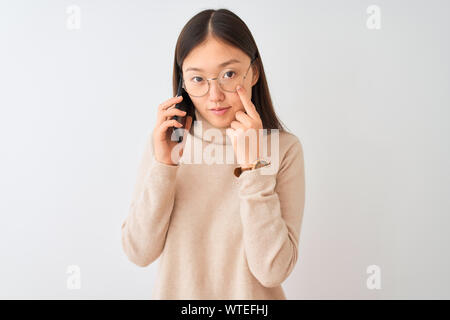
point(203, 129)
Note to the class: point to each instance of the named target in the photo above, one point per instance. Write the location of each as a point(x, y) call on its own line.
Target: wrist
point(166, 162)
point(255, 165)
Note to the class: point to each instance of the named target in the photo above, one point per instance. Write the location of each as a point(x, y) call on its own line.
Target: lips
point(220, 111)
point(221, 108)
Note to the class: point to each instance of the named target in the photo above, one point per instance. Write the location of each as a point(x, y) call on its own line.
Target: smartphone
point(185, 105)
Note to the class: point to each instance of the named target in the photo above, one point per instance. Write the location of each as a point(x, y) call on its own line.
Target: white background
point(371, 108)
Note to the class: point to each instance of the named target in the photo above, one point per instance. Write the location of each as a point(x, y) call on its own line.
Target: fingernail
point(239, 88)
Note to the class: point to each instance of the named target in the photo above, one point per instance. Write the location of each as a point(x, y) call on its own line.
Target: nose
point(215, 93)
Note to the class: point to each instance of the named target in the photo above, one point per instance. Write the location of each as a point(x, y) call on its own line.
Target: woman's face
point(208, 57)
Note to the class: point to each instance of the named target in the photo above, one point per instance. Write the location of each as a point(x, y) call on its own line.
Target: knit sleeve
point(271, 209)
point(144, 229)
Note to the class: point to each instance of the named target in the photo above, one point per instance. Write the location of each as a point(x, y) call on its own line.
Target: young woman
point(221, 233)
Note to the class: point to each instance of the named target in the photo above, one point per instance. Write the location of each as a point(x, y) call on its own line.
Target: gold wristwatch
point(255, 165)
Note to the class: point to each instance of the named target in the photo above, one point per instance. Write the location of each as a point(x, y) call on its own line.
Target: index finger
point(166, 104)
point(247, 102)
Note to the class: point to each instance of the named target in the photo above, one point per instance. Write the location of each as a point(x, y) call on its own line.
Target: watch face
point(261, 163)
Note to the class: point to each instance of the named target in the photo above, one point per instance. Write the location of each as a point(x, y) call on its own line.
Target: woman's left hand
point(248, 120)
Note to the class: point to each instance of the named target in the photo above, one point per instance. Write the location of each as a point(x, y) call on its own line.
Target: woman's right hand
point(163, 145)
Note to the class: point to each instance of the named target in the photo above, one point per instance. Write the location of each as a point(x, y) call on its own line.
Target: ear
point(255, 73)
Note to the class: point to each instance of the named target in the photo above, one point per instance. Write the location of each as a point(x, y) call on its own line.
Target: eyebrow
point(223, 64)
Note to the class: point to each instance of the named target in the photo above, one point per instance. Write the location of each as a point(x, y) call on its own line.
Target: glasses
point(228, 80)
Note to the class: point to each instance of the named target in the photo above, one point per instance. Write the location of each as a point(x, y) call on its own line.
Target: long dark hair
point(228, 27)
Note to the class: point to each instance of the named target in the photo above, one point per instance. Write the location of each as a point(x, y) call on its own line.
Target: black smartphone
point(185, 105)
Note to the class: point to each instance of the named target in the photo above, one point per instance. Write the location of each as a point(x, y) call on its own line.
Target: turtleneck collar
point(204, 133)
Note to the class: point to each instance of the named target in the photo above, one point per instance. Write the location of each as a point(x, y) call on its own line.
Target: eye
point(229, 74)
point(199, 79)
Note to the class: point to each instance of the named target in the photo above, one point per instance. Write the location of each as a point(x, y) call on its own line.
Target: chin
point(220, 123)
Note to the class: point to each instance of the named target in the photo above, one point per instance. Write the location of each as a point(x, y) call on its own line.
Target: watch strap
point(257, 164)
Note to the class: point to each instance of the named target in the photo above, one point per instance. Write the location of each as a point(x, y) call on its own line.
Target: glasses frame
point(216, 78)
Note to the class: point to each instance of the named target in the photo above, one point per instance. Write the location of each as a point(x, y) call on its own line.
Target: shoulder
point(285, 149)
point(288, 143)
point(288, 139)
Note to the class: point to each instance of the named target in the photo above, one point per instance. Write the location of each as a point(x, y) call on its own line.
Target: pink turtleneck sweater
point(218, 236)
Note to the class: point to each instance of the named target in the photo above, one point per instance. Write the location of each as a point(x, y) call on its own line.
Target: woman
point(221, 233)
